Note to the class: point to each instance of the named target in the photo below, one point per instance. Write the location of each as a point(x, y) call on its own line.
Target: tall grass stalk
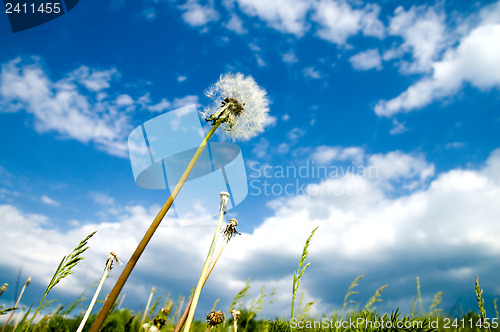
point(63, 270)
point(211, 267)
point(350, 292)
point(153, 290)
point(107, 268)
point(433, 309)
point(17, 302)
point(480, 304)
point(148, 235)
point(374, 298)
point(300, 271)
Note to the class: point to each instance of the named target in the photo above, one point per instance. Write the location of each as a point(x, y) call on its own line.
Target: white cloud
point(181, 78)
point(326, 154)
point(102, 199)
point(197, 15)
point(287, 16)
point(270, 121)
point(184, 101)
point(398, 166)
point(311, 72)
point(64, 106)
point(289, 57)
point(366, 60)
point(473, 61)
point(397, 127)
point(423, 30)
point(450, 224)
point(163, 105)
point(338, 21)
point(235, 24)
point(49, 201)
point(124, 100)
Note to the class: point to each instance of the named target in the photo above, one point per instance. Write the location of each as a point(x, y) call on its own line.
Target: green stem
point(94, 299)
point(201, 282)
point(147, 237)
point(17, 302)
point(188, 306)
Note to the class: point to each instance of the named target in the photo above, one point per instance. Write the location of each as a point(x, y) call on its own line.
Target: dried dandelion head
point(236, 314)
point(224, 198)
point(240, 104)
point(3, 288)
point(109, 262)
point(230, 229)
point(215, 318)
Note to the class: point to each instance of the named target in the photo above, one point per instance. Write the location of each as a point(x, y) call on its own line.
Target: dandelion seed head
point(246, 102)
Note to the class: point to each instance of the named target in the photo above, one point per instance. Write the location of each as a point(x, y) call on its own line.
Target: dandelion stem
point(109, 264)
point(188, 306)
point(202, 279)
point(17, 302)
point(147, 306)
point(149, 234)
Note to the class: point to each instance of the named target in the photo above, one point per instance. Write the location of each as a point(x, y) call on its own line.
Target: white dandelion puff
point(240, 104)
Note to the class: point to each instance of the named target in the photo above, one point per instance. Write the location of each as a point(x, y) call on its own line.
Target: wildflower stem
point(17, 302)
point(147, 237)
point(212, 265)
point(202, 279)
point(96, 294)
point(147, 306)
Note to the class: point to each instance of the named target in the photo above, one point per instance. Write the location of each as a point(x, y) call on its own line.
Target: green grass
point(352, 316)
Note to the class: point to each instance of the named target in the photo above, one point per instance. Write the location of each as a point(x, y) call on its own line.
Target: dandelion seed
point(240, 104)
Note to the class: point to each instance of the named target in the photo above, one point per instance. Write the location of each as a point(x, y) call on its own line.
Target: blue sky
point(409, 90)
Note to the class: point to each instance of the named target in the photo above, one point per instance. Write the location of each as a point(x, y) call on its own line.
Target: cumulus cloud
point(49, 201)
point(338, 21)
point(326, 154)
point(64, 106)
point(473, 61)
point(451, 225)
point(423, 30)
point(235, 24)
point(311, 72)
point(196, 14)
point(366, 60)
point(284, 15)
point(79, 106)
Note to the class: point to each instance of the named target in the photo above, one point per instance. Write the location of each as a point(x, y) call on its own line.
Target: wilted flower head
point(215, 318)
point(3, 288)
point(236, 314)
point(230, 229)
point(240, 104)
